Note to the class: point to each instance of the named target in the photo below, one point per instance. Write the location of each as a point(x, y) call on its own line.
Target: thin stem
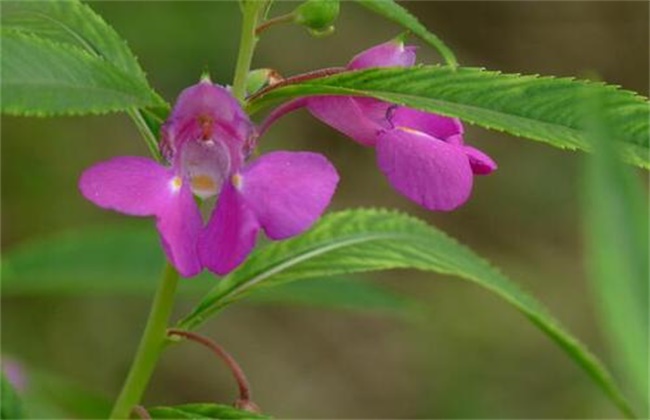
point(150, 346)
point(250, 10)
point(145, 131)
point(220, 352)
point(288, 18)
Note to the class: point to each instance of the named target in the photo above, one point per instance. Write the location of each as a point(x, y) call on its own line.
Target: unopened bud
point(317, 16)
point(260, 78)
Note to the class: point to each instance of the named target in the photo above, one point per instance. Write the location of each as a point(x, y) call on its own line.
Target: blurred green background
point(471, 355)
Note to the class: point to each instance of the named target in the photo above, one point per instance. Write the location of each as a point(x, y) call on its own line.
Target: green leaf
point(616, 230)
point(50, 395)
point(393, 11)
point(41, 77)
point(365, 240)
point(340, 293)
point(11, 407)
point(46, 73)
point(93, 261)
point(116, 260)
point(73, 23)
point(546, 109)
point(202, 411)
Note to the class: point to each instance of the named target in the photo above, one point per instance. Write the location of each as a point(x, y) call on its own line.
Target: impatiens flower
point(206, 142)
point(422, 154)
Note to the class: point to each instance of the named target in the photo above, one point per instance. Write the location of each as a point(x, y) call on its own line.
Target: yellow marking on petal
point(203, 183)
point(237, 181)
point(177, 183)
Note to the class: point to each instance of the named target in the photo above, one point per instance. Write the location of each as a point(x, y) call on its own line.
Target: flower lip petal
point(230, 234)
point(434, 174)
point(179, 225)
point(141, 187)
point(288, 191)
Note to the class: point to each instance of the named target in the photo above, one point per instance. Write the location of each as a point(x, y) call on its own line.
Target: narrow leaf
point(125, 261)
point(202, 411)
point(546, 109)
point(393, 11)
point(41, 77)
point(339, 293)
point(616, 230)
point(367, 240)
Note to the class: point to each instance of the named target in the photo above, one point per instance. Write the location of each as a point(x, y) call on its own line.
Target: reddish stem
point(274, 21)
point(297, 79)
point(235, 369)
point(141, 412)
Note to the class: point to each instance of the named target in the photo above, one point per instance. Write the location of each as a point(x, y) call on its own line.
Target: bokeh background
point(471, 355)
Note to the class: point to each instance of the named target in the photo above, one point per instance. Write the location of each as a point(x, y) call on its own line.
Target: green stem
point(152, 342)
point(251, 10)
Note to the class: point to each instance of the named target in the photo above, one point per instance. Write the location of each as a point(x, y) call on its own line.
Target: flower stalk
point(151, 344)
point(244, 401)
point(251, 10)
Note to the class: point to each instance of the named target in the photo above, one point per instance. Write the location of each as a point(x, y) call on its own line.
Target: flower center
point(207, 165)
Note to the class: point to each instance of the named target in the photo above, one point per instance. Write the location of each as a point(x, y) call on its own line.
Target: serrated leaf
point(337, 293)
point(10, 407)
point(393, 11)
point(72, 26)
point(202, 411)
point(367, 240)
point(41, 77)
point(74, 23)
point(116, 260)
point(546, 109)
point(618, 253)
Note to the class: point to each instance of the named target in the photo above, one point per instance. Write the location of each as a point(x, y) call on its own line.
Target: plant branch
point(244, 400)
point(288, 18)
point(152, 342)
point(250, 10)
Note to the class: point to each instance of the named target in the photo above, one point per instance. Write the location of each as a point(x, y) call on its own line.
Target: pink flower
point(206, 141)
point(422, 154)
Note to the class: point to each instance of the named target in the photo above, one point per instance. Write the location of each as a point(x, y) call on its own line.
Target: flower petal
point(141, 187)
point(230, 234)
point(389, 54)
point(179, 224)
point(288, 191)
point(361, 119)
point(213, 102)
point(207, 112)
point(130, 185)
point(443, 128)
point(430, 172)
point(481, 163)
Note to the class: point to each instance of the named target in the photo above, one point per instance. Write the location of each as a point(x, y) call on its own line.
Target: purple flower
point(422, 154)
point(206, 141)
point(15, 373)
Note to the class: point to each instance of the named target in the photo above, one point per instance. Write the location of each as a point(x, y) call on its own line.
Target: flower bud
point(260, 78)
point(317, 16)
